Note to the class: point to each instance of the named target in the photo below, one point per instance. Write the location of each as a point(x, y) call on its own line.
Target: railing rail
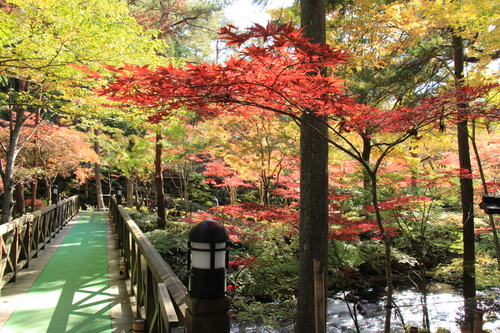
point(22, 238)
point(160, 295)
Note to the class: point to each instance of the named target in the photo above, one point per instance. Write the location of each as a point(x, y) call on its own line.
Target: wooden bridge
point(63, 270)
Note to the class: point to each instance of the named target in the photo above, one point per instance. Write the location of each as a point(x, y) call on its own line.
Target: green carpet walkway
point(72, 293)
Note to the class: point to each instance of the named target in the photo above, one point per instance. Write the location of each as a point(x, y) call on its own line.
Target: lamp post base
point(207, 315)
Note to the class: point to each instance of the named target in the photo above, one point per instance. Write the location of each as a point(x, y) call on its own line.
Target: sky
point(244, 14)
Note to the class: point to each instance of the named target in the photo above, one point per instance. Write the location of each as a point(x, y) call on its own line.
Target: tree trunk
point(98, 184)
point(387, 254)
point(365, 155)
point(98, 187)
point(48, 192)
point(184, 189)
point(34, 189)
point(160, 196)
point(467, 193)
point(19, 196)
point(313, 228)
point(34, 184)
point(85, 194)
point(130, 192)
point(8, 181)
point(16, 126)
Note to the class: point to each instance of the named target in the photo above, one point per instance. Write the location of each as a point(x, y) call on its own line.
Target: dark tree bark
point(34, 189)
point(467, 193)
point(160, 196)
point(19, 196)
point(365, 155)
point(313, 230)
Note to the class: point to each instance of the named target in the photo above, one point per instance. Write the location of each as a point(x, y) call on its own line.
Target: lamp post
point(55, 194)
point(119, 194)
point(207, 304)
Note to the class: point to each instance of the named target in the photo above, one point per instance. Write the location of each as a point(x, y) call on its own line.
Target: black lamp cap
point(488, 199)
point(490, 204)
point(208, 231)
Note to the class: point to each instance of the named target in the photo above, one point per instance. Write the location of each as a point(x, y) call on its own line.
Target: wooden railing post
point(139, 325)
point(123, 270)
point(478, 321)
point(22, 238)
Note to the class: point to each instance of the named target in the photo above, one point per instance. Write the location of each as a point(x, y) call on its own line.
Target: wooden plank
point(166, 304)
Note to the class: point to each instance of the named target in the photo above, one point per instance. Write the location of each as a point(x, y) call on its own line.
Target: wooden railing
point(160, 295)
point(22, 238)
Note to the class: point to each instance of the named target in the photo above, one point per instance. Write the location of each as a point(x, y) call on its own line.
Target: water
point(445, 306)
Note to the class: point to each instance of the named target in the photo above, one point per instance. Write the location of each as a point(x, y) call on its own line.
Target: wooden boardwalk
point(113, 303)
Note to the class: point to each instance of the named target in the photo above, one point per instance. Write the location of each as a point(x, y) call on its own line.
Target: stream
point(444, 302)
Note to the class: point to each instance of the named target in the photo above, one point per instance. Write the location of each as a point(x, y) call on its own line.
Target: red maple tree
point(278, 71)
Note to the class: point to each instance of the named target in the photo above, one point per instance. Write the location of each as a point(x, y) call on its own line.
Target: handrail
point(160, 295)
point(22, 238)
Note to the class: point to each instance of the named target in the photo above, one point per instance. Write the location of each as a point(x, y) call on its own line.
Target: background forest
point(397, 187)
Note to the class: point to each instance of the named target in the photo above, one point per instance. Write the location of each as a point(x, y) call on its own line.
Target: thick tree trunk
point(313, 229)
point(467, 193)
point(160, 195)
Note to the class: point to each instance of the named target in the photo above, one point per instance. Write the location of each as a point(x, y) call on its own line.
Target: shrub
point(271, 316)
point(451, 274)
point(146, 221)
point(171, 244)
point(39, 204)
point(270, 266)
